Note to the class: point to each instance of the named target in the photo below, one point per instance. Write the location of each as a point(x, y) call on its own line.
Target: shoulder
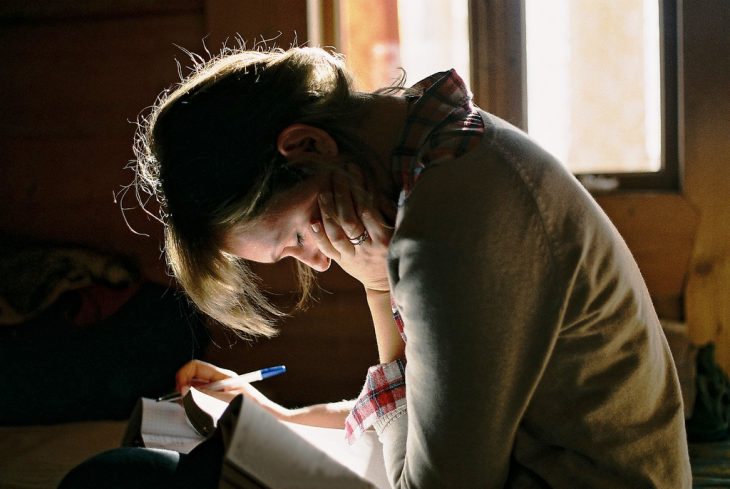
point(502, 180)
point(508, 196)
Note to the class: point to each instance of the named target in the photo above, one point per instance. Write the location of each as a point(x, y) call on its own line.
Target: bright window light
point(593, 83)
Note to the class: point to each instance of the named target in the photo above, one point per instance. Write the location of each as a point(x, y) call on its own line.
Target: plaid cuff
point(398, 320)
point(384, 392)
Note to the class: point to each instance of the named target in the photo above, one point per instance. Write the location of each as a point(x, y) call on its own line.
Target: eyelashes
point(300, 240)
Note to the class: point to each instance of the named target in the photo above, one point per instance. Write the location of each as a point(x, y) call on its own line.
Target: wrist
point(279, 412)
point(390, 344)
point(376, 293)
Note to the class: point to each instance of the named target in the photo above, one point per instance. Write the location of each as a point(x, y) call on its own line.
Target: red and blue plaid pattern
point(442, 124)
point(398, 319)
point(384, 391)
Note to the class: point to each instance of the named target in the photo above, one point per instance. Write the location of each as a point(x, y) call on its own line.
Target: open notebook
point(264, 452)
point(178, 426)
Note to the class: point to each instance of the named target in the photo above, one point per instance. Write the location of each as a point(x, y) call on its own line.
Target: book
point(264, 452)
point(172, 425)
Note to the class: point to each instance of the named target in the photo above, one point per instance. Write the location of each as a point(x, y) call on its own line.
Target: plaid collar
point(435, 101)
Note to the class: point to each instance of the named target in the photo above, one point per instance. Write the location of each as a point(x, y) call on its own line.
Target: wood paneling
point(659, 229)
point(70, 91)
point(60, 10)
point(706, 80)
point(75, 77)
point(277, 22)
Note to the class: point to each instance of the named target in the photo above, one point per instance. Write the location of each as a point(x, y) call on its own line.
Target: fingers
point(197, 372)
point(347, 212)
point(340, 208)
point(373, 222)
point(339, 244)
point(319, 236)
point(344, 201)
point(254, 395)
point(226, 396)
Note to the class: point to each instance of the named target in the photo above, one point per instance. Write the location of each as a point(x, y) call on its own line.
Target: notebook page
point(182, 445)
point(274, 454)
point(165, 425)
point(364, 457)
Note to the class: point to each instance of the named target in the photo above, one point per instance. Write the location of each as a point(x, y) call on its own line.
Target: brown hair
point(207, 152)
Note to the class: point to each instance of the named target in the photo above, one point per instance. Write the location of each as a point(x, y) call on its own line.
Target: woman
point(534, 356)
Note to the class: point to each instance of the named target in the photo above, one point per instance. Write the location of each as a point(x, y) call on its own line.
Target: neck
point(380, 130)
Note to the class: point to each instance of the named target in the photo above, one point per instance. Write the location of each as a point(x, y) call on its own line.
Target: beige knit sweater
point(535, 357)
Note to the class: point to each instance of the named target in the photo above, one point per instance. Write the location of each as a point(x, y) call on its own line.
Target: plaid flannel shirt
point(442, 124)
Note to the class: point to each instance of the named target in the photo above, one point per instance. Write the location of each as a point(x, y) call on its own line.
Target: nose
point(311, 256)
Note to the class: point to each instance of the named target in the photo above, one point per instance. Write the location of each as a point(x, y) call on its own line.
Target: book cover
point(263, 452)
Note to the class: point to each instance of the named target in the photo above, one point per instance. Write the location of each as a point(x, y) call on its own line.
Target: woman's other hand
point(356, 236)
point(197, 373)
point(353, 231)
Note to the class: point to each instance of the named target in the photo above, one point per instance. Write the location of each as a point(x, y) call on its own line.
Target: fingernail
point(316, 227)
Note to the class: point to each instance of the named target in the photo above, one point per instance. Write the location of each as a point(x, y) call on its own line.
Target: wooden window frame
point(499, 82)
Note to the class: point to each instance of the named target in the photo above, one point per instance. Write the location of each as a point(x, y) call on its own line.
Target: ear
point(299, 140)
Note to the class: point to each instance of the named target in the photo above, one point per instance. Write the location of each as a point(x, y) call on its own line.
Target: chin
point(324, 267)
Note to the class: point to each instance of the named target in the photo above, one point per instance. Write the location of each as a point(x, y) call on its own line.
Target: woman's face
point(284, 230)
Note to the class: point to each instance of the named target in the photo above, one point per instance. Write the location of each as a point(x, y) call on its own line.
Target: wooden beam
point(706, 70)
point(497, 40)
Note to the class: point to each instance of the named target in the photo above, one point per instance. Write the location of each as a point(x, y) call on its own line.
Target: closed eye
point(300, 240)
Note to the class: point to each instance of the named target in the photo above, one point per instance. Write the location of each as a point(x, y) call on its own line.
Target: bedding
point(37, 457)
point(710, 464)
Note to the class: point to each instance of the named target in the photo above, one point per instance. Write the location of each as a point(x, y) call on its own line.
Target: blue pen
point(237, 381)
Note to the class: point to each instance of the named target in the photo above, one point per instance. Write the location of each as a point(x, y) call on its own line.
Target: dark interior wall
point(73, 82)
point(75, 76)
point(70, 87)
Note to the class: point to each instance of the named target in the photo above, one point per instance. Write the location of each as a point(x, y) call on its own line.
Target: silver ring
point(358, 240)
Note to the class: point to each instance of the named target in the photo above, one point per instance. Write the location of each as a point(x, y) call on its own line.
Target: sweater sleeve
point(473, 279)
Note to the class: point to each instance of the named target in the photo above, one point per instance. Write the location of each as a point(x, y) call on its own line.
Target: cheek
point(250, 246)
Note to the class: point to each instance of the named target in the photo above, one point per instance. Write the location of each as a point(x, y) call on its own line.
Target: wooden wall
point(706, 142)
point(682, 240)
point(75, 73)
point(73, 79)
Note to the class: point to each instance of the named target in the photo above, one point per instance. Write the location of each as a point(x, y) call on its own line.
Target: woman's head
point(208, 152)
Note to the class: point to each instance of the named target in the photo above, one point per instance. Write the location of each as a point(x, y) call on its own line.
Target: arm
point(390, 344)
point(346, 213)
point(341, 217)
point(198, 373)
point(473, 281)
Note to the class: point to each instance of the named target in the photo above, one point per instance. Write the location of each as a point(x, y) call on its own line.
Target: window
point(379, 37)
point(594, 82)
